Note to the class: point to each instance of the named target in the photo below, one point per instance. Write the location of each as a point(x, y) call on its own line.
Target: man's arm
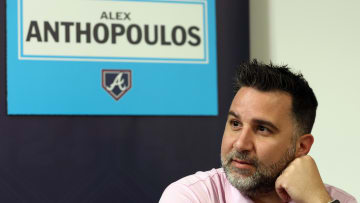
point(301, 182)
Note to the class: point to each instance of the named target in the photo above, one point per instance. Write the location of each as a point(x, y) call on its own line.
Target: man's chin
point(241, 176)
point(244, 177)
point(247, 182)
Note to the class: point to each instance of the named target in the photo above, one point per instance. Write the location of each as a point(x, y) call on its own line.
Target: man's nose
point(244, 141)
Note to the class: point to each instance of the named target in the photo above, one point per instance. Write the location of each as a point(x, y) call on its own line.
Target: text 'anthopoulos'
point(110, 33)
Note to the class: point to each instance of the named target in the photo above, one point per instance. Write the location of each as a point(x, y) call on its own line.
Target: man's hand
point(301, 182)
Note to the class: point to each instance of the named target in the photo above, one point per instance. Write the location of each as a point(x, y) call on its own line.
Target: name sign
point(111, 57)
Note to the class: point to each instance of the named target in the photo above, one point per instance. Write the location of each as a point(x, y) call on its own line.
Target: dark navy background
point(78, 159)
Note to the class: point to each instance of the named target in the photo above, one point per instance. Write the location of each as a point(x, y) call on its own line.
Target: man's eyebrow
point(257, 121)
point(232, 113)
point(266, 123)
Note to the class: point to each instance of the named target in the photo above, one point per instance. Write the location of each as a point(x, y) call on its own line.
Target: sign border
point(21, 55)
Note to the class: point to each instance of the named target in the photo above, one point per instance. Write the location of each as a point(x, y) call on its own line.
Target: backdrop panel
point(78, 159)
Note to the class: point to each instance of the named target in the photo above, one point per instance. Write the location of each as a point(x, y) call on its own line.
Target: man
point(264, 147)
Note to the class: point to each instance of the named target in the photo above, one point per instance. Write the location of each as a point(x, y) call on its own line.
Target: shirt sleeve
point(350, 200)
point(178, 193)
point(340, 195)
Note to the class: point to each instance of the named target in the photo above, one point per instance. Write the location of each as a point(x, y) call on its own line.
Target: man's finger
point(280, 190)
point(283, 195)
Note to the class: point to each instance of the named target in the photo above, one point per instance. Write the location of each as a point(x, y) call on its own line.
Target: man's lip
point(241, 161)
point(242, 164)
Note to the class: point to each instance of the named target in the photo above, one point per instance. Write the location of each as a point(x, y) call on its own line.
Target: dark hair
point(270, 77)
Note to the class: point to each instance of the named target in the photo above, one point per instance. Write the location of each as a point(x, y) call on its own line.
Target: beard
point(262, 180)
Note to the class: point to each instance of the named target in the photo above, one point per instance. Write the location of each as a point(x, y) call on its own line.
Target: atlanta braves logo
point(116, 82)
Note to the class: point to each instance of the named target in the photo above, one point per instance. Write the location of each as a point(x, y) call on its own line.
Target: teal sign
point(111, 57)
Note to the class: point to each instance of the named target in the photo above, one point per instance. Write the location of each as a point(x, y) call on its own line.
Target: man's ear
point(303, 145)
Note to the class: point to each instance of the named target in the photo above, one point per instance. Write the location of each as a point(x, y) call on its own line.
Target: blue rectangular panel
point(107, 57)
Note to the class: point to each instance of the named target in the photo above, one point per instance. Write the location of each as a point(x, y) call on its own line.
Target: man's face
point(258, 140)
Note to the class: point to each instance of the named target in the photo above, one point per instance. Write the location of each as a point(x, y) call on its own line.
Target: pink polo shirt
point(212, 186)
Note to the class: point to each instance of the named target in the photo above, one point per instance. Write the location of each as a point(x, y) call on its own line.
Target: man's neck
point(270, 197)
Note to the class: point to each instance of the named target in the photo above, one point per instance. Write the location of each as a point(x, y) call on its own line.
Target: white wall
point(322, 40)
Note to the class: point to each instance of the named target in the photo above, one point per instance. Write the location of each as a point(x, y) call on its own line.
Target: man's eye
point(263, 129)
point(235, 124)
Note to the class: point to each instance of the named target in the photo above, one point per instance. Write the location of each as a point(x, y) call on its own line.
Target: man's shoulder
point(203, 186)
point(203, 177)
point(341, 195)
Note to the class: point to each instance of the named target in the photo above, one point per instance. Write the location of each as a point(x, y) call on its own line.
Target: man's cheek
point(224, 143)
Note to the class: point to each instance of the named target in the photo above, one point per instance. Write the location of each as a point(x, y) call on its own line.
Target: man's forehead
point(265, 98)
point(251, 103)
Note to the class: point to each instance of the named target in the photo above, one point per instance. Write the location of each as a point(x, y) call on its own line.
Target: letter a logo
point(116, 82)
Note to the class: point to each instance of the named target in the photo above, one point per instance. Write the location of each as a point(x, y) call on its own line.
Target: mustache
point(243, 156)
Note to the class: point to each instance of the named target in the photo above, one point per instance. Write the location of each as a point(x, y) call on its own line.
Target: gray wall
point(321, 39)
